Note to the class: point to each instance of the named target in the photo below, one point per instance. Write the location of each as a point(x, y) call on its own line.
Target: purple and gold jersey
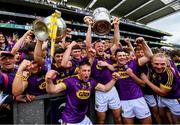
point(145, 88)
point(63, 72)
point(108, 51)
point(36, 83)
point(127, 88)
point(167, 80)
point(101, 74)
point(10, 78)
point(176, 71)
point(78, 97)
point(75, 63)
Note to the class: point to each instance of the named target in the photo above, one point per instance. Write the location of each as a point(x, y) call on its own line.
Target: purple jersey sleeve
point(78, 97)
point(127, 88)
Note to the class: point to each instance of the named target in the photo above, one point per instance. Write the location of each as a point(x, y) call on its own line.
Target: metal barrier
point(40, 111)
point(47, 109)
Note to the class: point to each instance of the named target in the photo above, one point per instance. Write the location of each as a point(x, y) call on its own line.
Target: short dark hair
point(59, 51)
point(122, 50)
point(79, 40)
point(84, 63)
point(6, 42)
point(68, 39)
point(30, 46)
point(76, 47)
point(138, 48)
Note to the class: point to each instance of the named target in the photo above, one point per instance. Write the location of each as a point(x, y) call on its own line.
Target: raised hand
point(50, 75)
point(24, 64)
point(30, 98)
point(107, 56)
point(102, 63)
point(73, 43)
point(92, 52)
point(29, 33)
point(116, 21)
point(115, 75)
point(129, 72)
point(88, 20)
point(140, 40)
point(144, 77)
point(127, 40)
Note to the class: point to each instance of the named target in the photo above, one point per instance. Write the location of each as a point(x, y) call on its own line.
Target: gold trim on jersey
point(97, 86)
point(42, 86)
point(98, 67)
point(64, 85)
point(164, 86)
point(170, 78)
point(59, 81)
point(123, 74)
point(139, 64)
point(76, 70)
point(83, 94)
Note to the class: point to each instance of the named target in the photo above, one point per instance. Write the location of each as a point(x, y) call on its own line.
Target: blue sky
point(170, 24)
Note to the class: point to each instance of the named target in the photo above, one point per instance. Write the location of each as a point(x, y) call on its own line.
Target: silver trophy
point(41, 28)
point(102, 21)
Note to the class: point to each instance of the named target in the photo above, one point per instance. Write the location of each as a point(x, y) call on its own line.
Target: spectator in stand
point(11, 41)
point(7, 75)
point(3, 42)
point(7, 72)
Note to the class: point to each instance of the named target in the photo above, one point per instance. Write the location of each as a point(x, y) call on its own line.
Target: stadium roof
point(142, 11)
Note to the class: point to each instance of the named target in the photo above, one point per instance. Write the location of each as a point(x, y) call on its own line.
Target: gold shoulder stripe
point(170, 78)
point(164, 86)
point(139, 62)
point(97, 86)
point(64, 85)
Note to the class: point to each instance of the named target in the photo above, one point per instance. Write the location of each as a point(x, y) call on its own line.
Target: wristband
point(18, 75)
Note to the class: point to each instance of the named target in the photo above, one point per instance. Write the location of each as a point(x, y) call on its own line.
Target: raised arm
point(109, 85)
point(105, 64)
point(147, 51)
point(116, 31)
point(38, 53)
point(116, 37)
point(163, 90)
point(65, 61)
point(20, 42)
point(89, 21)
point(128, 42)
point(50, 87)
point(20, 83)
point(134, 77)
